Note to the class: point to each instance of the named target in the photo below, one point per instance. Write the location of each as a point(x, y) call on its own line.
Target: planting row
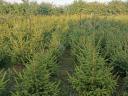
point(30, 51)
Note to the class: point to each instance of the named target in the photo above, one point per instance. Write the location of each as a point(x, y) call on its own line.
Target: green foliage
point(92, 76)
point(114, 7)
point(93, 73)
point(79, 6)
point(3, 81)
point(111, 36)
point(47, 39)
point(44, 9)
point(125, 86)
point(35, 80)
point(96, 44)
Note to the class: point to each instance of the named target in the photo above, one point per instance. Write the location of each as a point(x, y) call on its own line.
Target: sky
point(60, 2)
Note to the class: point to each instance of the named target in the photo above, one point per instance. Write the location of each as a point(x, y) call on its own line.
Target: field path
point(66, 67)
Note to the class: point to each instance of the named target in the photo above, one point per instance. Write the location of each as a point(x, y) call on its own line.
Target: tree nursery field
point(63, 55)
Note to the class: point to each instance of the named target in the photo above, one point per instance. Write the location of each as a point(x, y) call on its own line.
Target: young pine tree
point(92, 76)
point(35, 79)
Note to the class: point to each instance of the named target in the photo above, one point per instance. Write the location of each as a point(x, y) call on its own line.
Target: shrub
point(92, 76)
point(35, 80)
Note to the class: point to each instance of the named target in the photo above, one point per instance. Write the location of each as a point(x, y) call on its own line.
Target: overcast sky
point(60, 2)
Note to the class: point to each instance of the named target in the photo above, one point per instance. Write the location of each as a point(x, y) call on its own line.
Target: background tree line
point(78, 6)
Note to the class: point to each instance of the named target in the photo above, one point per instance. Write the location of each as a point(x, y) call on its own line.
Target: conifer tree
point(35, 80)
point(92, 76)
